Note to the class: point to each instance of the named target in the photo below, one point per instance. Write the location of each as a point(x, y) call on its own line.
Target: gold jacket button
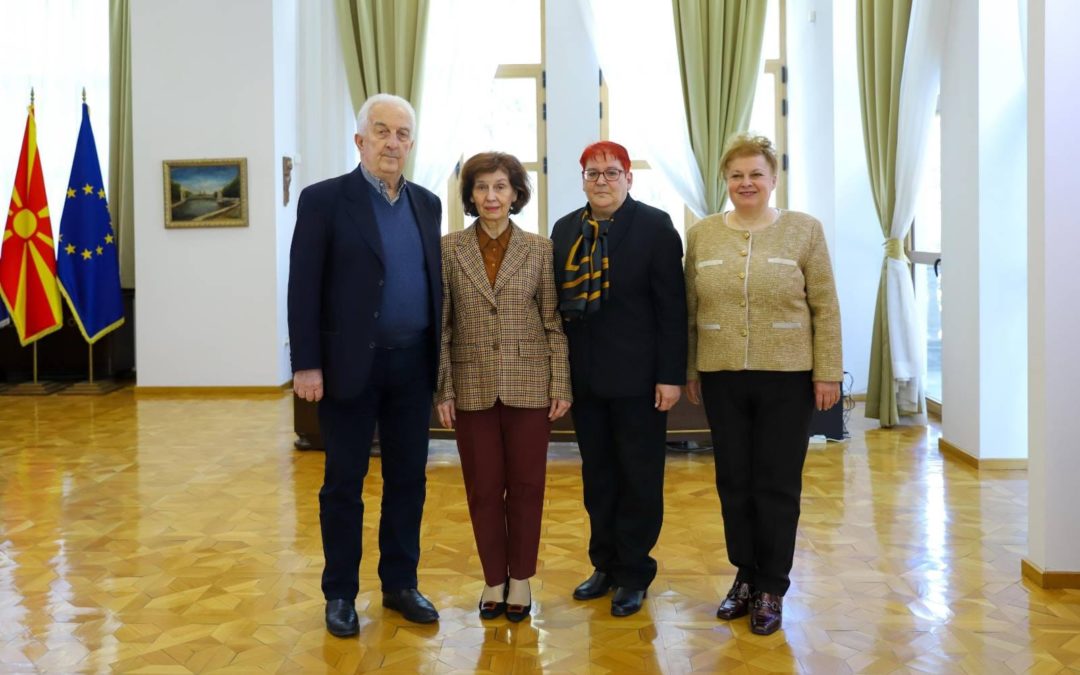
point(742, 275)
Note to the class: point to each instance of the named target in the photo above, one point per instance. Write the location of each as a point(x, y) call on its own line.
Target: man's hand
point(667, 395)
point(826, 394)
point(558, 409)
point(308, 384)
point(447, 416)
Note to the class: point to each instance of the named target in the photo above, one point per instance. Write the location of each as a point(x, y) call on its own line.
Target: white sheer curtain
point(464, 40)
point(57, 47)
point(919, 88)
point(636, 47)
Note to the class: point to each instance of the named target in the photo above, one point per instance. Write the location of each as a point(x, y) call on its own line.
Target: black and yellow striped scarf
point(585, 283)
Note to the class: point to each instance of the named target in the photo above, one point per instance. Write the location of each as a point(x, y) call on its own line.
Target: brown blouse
point(493, 251)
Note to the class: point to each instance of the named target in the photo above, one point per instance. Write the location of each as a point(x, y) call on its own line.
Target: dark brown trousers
point(504, 461)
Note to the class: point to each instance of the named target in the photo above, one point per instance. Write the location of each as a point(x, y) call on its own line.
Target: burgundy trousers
point(504, 460)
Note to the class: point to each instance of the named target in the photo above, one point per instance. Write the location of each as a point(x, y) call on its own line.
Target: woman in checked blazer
point(504, 376)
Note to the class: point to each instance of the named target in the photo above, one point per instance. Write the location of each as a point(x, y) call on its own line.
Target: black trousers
point(760, 423)
point(622, 471)
point(398, 396)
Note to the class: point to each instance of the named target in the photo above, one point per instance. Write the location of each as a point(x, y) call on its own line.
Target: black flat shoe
point(595, 586)
point(626, 601)
point(492, 609)
point(517, 613)
point(341, 619)
point(413, 606)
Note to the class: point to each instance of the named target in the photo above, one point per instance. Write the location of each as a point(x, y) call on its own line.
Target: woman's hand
point(558, 408)
point(693, 391)
point(826, 394)
point(447, 416)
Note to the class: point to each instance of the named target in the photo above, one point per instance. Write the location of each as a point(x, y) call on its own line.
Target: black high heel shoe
point(493, 609)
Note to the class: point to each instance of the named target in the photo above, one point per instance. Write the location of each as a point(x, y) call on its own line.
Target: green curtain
point(720, 59)
point(121, 171)
point(383, 41)
point(882, 29)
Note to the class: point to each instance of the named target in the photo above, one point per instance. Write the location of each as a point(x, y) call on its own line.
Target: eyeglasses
point(610, 175)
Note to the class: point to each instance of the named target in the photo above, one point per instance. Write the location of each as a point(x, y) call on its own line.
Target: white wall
point(983, 213)
point(286, 36)
point(828, 175)
point(1054, 286)
point(208, 304)
point(960, 346)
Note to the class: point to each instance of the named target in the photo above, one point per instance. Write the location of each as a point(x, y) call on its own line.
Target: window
point(58, 47)
point(513, 122)
point(925, 253)
point(769, 114)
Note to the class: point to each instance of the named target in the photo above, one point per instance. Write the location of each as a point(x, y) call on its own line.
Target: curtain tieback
point(894, 248)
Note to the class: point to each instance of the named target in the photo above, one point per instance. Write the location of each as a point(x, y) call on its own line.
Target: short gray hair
point(365, 110)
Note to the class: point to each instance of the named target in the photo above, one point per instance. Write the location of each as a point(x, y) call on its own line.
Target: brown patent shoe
point(766, 614)
point(737, 602)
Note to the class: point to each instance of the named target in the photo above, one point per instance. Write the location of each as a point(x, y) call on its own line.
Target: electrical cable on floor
point(849, 403)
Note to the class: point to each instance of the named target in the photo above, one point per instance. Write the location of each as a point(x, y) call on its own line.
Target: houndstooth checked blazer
point(504, 342)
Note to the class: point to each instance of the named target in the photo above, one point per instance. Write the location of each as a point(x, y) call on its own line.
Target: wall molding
point(210, 391)
point(1045, 579)
point(950, 451)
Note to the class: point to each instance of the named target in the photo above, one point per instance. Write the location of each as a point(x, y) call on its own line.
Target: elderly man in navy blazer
point(365, 297)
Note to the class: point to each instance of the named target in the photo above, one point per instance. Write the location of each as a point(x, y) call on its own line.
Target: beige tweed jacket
point(762, 301)
point(504, 342)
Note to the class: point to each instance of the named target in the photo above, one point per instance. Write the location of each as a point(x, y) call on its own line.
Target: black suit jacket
point(638, 338)
point(336, 275)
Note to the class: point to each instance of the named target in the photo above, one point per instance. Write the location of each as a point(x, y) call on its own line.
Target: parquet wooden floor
point(147, 534)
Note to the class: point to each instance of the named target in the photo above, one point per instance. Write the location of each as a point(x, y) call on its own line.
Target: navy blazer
point(336, 272)
point(638, 338)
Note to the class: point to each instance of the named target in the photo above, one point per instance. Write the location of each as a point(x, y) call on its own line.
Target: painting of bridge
point(206, 192)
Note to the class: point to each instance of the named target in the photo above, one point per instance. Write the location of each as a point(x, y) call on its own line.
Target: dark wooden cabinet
point(64, 355)
point(687, 427)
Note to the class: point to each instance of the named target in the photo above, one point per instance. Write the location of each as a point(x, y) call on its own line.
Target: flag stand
point(35, 387)
point(89, 387)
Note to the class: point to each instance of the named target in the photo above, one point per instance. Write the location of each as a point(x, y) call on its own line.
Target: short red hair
point(601, 149)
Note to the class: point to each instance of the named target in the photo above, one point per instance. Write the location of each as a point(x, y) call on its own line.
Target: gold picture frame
point(206, 192)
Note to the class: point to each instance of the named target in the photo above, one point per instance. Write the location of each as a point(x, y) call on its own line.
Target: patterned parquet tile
point(180, 535)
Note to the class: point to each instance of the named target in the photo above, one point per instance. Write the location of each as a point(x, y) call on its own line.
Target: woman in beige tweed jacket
point(764, 344)
point(504, 376)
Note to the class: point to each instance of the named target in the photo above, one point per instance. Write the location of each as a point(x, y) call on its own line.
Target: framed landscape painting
point(206, 192)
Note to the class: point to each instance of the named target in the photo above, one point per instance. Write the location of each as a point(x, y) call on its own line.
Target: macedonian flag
point(27, 257)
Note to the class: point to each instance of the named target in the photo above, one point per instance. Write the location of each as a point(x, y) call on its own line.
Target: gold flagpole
point(90, 376)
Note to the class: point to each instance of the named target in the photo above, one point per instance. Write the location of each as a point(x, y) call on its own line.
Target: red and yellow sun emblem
point(27, 257)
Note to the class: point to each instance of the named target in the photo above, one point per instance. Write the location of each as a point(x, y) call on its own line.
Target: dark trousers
point(503, 461)
point(760, 423)
point(398, 397)
point(622, 472)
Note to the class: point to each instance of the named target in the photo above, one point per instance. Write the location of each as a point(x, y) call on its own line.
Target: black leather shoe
point(413, 606)
point(341, 619)
point(767, 614)
point(595, 586)
point(737, 602)
point(626, 601)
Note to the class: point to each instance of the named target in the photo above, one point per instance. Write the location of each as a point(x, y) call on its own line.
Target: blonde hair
point(748, 145)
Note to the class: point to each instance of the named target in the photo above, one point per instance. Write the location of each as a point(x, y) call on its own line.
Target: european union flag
point(86, 260)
